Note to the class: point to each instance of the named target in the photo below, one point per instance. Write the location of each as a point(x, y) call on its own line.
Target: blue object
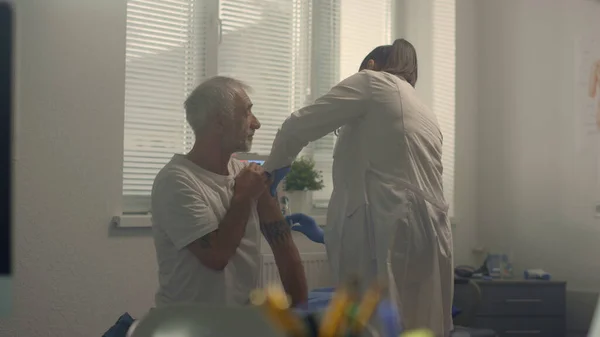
point(322, 290)
point(306, 225)
point(277, 177)
point(390, 318)
point(536, 274)
point(319, 299)
point(121, 326)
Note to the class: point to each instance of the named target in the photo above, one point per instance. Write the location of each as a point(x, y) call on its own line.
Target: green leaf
point(303, 176)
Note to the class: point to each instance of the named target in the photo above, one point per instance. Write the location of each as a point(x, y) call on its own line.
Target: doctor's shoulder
point(383, 83)
point(363, 83)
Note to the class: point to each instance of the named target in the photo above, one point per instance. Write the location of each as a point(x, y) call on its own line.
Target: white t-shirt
point(189, 202)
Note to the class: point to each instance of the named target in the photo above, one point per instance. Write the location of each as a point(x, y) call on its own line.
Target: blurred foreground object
point(345, 313)
point(193, 320)
point(418, 333)
point(276, 305)
point(271, 315)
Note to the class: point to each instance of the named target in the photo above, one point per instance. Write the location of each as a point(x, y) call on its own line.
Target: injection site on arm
point(276, 231)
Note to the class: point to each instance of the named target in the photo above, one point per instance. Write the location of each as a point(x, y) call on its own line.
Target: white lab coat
point(387, 217)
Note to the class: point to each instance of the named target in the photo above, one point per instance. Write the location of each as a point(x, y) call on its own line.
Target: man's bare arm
point(277, 232)
point(216, 248)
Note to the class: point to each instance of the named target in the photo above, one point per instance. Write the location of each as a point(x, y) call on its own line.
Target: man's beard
point(245, 146)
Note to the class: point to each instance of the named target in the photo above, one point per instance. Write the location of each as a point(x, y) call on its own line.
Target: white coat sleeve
point(344, 103)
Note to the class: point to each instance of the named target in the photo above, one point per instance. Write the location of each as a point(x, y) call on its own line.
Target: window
point(290, 52)
point(287, 50)
point(346, 32)
point(443, 103)
point(165, 54)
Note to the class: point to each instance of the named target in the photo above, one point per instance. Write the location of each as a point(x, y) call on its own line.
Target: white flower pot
point(300, 201)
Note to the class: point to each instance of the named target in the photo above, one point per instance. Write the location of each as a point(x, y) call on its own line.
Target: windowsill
point(145, 220)
point(132, 221)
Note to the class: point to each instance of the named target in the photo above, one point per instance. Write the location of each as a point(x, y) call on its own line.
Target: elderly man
point(208, 209)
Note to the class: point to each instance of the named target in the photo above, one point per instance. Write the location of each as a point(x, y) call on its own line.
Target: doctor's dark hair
point(402, 61)
point(379, 55)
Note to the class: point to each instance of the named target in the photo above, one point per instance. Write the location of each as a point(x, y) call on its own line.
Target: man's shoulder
point(175, 169)
point(175, 174)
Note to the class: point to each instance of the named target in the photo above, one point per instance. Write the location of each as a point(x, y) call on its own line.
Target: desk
point(522, 308)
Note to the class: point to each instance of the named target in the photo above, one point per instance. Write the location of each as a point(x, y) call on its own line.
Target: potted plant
point(302, 179)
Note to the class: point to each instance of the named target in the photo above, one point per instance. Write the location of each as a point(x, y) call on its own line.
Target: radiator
point(315, 266)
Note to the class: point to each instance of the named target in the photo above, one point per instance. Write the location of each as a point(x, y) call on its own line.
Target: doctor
point(387, 217)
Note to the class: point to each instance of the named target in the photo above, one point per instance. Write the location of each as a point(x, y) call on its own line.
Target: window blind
point(164, 62)
point(346, 31)
point(326, 56)
point(443, 98)
point(289, 51)
point(266, 44)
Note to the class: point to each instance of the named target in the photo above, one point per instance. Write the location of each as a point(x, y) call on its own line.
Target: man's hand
point(277, 177)
point(251, 182)
point(215, 249)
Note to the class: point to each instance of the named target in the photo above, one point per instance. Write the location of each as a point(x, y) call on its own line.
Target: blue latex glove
point(306, 225)
point(277, 177)
point(390, 319)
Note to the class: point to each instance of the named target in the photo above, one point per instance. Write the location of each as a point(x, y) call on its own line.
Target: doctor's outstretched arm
point(344, 103)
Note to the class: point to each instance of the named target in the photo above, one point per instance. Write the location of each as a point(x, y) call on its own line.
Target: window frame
point(138, 205)
point(141, 204)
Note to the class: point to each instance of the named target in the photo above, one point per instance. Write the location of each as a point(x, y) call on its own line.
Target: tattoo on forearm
point(277, 232)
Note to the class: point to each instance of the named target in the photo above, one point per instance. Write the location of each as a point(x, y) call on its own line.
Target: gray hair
point(213, 97)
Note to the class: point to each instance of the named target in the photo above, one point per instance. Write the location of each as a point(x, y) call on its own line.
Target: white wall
point(466, 229)
point(534, 185)
point(515, 140)
point(74, 275)
point(523, 180)
point(415, 24)
point(530, 197)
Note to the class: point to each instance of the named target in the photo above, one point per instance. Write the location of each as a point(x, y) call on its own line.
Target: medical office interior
point(99, 88)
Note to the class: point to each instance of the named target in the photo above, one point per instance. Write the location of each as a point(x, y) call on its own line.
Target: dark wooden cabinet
point(520, 308)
